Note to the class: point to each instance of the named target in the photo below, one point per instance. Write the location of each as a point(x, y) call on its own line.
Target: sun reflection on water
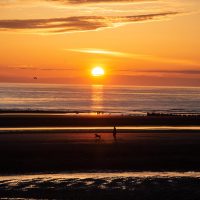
point(97, 98)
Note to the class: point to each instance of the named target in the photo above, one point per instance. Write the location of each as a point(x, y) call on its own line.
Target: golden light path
point(121, 129)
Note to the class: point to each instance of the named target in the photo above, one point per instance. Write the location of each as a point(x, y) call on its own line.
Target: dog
point(97, 136)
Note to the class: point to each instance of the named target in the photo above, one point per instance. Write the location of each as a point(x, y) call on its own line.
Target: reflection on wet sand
point(122, 129)
point(126, 185)
point(102, 175)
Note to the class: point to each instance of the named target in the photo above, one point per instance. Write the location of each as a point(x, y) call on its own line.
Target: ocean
point(99, 98)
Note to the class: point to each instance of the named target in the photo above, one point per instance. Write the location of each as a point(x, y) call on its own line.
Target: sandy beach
point(36, 153)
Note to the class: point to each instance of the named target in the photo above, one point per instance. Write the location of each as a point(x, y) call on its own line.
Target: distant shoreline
point(98, 112)
point(29, 119)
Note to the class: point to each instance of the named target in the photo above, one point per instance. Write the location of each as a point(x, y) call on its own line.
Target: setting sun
point(97, 71)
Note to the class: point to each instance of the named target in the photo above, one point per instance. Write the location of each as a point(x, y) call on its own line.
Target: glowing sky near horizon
point(144, 42)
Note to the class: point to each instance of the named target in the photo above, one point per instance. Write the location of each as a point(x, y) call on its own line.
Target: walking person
point(115, 133)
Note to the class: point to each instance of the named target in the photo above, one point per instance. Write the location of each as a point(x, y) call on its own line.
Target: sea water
point(103, 98)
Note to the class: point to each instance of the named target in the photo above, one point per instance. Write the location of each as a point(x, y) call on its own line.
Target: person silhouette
point(115, 133)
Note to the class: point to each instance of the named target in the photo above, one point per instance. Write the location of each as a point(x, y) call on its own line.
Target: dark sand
point(42, 120)
point(34, 153)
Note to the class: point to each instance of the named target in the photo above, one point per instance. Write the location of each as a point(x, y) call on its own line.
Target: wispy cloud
point(135, 56)
point(98, 1)
point(189, 72)
point(27, 67)
point(79, 23)
point(101, 52)
point(158, 73)
point(11, 2)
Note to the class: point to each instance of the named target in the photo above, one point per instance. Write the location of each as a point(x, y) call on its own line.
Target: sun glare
point(97, 71)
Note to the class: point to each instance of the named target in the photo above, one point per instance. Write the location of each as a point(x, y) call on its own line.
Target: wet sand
point(36, 153)
point(56, 120)
point(116, 186)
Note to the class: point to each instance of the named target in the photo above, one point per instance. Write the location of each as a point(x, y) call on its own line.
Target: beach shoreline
point(96, 120)
point(44, 145)
point(36, 143)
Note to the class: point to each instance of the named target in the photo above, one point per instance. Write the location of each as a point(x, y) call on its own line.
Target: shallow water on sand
point(123, 129)
point(102, 175)
point(118, 185)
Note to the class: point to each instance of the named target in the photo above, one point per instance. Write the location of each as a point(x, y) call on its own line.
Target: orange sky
point(136, 42)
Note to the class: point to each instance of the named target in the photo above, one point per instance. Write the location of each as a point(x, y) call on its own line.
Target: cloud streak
point(24, 67)
point(100, 52)
point(189, 72)
point(158, 73)
point(11, 2)
point(97, 1)
point(79, 23)
point(145, 57)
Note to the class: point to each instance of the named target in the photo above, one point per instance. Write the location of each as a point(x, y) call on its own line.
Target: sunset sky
point(137, 42)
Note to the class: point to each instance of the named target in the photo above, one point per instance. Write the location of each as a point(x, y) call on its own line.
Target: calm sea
point(93, 98)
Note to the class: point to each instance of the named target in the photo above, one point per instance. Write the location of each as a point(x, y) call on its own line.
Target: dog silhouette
point(97, 136)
